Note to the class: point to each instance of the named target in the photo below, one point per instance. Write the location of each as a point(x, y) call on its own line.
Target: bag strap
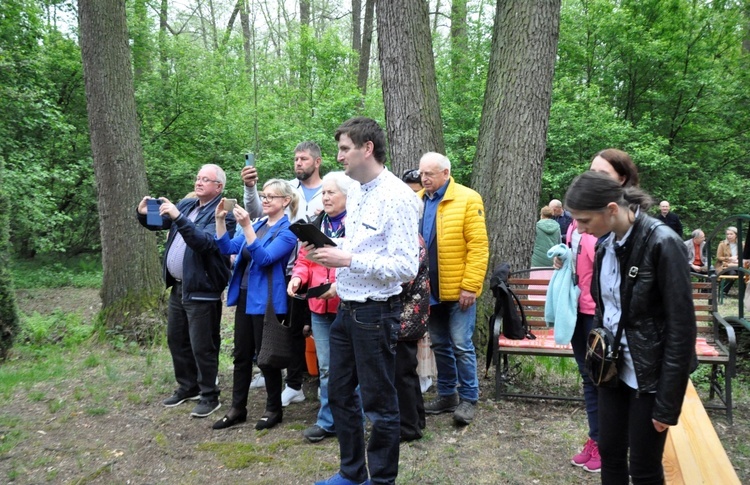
point(630, 283)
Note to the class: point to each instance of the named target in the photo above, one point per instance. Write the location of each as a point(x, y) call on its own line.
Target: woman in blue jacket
point(261, 247)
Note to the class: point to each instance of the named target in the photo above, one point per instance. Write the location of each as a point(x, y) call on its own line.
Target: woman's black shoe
point(268, 420)
point(234, 416)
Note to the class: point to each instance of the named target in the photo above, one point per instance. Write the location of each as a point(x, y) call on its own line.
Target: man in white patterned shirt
point(380, 251)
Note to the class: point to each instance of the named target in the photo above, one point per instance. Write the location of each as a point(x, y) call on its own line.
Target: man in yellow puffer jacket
point(455, 232)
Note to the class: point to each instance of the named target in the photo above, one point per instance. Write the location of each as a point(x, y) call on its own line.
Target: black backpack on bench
point(508, 316)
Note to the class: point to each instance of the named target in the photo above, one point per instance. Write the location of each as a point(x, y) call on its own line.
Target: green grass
point(80, 272)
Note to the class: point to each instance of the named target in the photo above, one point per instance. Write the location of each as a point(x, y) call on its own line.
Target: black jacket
point(660, 325)
point(205, 270)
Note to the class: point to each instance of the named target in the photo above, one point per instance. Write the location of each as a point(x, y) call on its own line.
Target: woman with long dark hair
point(640, 282)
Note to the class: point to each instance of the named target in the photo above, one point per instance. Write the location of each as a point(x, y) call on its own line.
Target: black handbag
point(602, 356)
point(276, 342)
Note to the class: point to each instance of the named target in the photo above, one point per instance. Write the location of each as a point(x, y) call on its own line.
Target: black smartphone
point(152, 215)
point(249, 159)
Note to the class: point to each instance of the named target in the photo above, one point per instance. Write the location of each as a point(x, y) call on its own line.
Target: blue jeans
point(363, 351)
point(451, 330)
point(321, 328)
point(584, 324)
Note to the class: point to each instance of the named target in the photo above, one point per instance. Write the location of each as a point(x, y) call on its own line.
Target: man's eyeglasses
point(206, 180)
point(265, 197)
point(411, 176)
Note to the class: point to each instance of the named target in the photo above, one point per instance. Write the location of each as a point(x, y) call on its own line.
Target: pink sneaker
point(585, 455)
point(594, 465)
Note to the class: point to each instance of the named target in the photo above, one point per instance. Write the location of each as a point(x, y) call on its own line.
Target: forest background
point(667, 81)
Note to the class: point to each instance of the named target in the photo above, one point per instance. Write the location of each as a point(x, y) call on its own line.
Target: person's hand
point(143, 205)
point(659, 427)
point(220, 213)
point(306, 330)
point(557, 262)
point(466, 299)
point(167, 208)
point(249, 176)
point(330, 293)
point(241, 216)
point(328, 256)
point(293, 286)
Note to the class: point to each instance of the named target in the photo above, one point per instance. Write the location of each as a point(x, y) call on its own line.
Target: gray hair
point(555, 203)
point(697, 233)
point(220, 175)
point(339, 178)
point(442, 161)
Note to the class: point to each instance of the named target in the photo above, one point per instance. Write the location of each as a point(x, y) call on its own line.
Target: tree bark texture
point(407, 69)
point(130, 261)
point(513, 128)
point(363, 73)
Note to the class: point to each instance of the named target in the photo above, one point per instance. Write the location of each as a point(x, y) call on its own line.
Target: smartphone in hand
point(229, 204)
point(249, 159)
point(153, 218)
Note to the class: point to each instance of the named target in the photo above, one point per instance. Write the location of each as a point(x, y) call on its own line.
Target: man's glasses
point(411, 176)
point(265, 197)
point(206, 180)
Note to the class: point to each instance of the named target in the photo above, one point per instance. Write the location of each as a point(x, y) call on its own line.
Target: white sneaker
point(258, 382)
point(290, 395)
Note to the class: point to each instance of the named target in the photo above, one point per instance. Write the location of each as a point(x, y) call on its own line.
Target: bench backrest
point(531, 287)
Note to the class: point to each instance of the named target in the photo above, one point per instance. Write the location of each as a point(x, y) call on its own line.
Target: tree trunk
point(246, 44)
point(357, 26)
point(9, 323)
point(131, 286)
point(364, 55)
point(513, 128)
point(407, 70)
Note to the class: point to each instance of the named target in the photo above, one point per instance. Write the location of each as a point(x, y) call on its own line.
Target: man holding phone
point(197, 274)
point(308, 184)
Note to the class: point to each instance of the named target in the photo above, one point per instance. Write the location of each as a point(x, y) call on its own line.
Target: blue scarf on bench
point(561, 306)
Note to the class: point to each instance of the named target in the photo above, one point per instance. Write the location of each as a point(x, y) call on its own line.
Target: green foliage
point(79, 272)
point(58, 328)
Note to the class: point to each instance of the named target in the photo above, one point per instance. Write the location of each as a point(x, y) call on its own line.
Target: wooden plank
point(693, 453)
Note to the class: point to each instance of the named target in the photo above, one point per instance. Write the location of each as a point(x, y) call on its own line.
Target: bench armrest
point(720, 321)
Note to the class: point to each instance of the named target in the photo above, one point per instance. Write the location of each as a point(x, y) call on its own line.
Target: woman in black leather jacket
point(640, 281)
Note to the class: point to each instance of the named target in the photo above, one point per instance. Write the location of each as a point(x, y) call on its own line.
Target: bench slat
point(693, 453)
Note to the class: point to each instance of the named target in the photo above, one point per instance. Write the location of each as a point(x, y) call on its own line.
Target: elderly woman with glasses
point(263, 249)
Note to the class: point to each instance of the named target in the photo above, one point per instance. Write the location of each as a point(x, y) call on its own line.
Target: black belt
point(351, 305)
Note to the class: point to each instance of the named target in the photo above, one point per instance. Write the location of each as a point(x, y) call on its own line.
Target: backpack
point(508, 315)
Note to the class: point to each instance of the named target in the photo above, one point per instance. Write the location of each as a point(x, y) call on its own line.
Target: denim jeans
point(321, 328)
point(194, 341)
point(451, 330)
point(410, 402)
point(625, 423)
point(584, 324)
point(363, 351)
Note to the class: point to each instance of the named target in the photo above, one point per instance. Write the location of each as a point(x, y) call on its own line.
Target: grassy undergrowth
point(83, 271)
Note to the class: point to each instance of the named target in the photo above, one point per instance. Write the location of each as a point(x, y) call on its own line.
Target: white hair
point(339, 178)
point(442, 161)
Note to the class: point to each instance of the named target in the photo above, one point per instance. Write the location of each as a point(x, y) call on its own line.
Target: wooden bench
point(715, 346)
point(693, 453)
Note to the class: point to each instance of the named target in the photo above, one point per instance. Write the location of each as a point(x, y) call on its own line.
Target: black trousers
point(248, 336)
point(299, 315)
point(410, 402)
point(193, 335)
point(625, 425)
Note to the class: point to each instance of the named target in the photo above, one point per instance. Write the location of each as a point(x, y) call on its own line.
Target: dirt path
point(97, 418)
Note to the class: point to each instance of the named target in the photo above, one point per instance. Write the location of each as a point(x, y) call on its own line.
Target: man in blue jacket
point(198, 274)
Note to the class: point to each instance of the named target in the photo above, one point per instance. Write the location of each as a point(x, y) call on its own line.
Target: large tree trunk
point(513, 129)
point(407, 70)
point(9, 324)
point(132, 285)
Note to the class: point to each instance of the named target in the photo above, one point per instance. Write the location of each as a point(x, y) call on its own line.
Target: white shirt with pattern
point(382, 234)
